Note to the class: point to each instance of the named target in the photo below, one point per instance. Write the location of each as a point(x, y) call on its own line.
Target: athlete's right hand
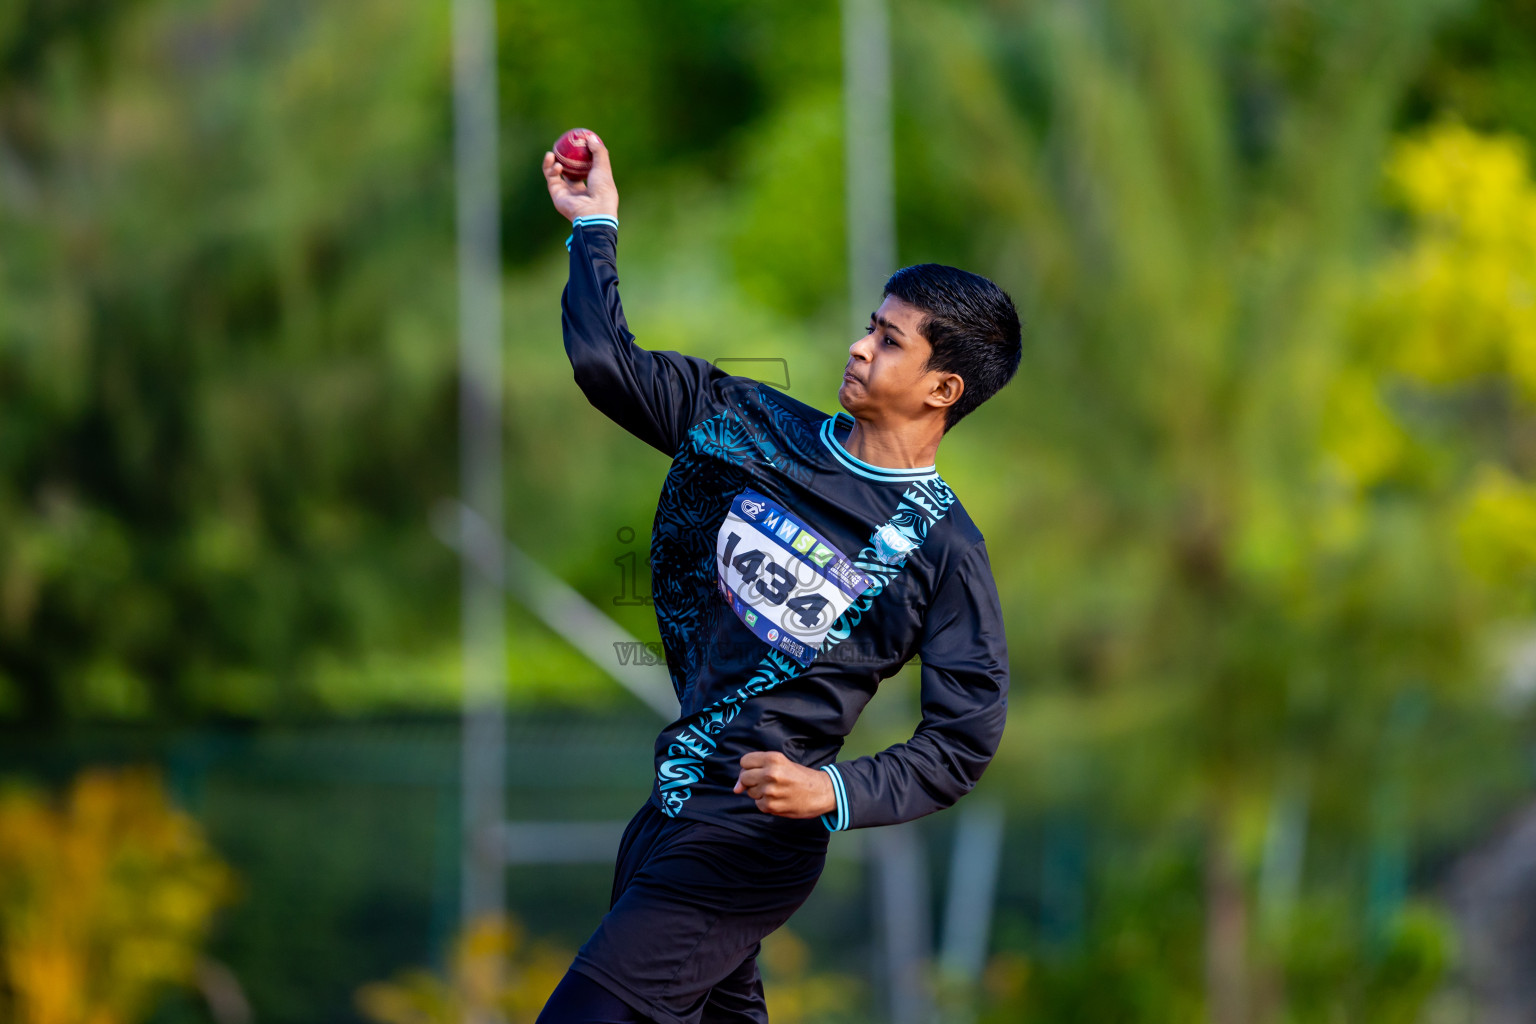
point(597, 196)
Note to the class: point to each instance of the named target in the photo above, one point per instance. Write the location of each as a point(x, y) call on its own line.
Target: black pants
point(691, 903)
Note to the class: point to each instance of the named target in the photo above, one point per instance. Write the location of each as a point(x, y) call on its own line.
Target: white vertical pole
point(968, 908)
point(901, 866)
point(484, 657)
point(868, 154)
point(870, 183)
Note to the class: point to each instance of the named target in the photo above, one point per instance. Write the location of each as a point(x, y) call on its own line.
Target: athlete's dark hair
point(971, 324)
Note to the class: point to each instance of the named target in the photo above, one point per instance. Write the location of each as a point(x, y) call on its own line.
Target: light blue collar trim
point(884, 474)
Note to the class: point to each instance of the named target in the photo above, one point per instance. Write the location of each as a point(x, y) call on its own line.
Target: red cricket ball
point(572, 153)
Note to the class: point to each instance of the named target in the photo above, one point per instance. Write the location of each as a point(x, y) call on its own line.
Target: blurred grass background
point(1261, 503)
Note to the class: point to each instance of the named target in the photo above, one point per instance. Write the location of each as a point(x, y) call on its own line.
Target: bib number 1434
point(781, 577)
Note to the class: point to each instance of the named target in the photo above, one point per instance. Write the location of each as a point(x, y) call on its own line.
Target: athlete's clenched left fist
point(780, 786)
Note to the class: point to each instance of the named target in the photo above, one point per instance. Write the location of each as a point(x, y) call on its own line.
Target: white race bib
point(784, 580)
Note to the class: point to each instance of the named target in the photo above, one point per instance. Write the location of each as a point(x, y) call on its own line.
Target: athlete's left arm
point(965, 701)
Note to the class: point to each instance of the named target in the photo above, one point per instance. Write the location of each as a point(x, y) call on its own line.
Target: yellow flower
point(104, 899)
point(1498, 527)
point(1461, 301)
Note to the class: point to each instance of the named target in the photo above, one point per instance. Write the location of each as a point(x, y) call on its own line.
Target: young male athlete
point(797, 560)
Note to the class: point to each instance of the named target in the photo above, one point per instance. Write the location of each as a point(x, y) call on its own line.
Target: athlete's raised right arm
point(657, 396)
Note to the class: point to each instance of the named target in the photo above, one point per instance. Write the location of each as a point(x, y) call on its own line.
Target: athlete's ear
point(946, 391)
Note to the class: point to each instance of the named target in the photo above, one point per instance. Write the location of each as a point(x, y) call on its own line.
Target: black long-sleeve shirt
point(790, 578)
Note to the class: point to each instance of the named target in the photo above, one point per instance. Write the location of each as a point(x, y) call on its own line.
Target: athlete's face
point(885, 379)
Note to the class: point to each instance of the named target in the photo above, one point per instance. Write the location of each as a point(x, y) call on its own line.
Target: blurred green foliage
point(1265, 523)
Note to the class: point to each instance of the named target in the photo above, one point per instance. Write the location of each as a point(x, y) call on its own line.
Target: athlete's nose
point(860, 349)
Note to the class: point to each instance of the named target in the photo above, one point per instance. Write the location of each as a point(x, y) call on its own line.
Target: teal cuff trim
point(840, 823)
point(602, 220)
